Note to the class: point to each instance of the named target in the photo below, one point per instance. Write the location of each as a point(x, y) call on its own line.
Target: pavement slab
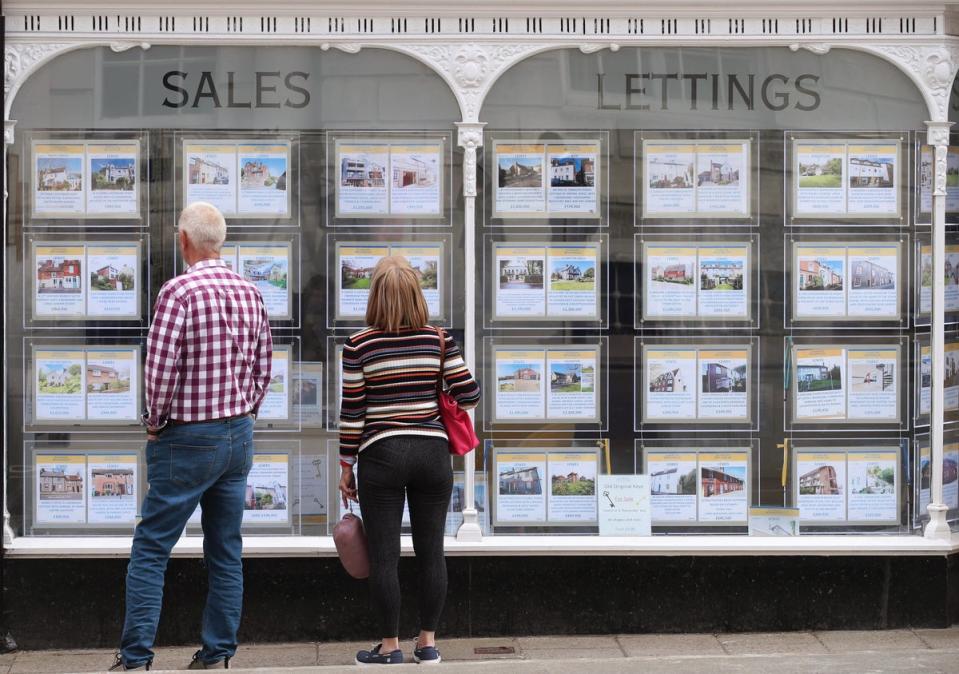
point(771, 642)
point(639, 645)
point(571, 642)
point(61, 661)
point(574, 654)
point(947, 638)
point(277, 655)
point(490, 649)
point(344, 653)
point(173, 657)
point(868, 640)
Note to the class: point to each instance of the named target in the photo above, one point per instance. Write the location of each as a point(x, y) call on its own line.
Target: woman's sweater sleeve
point(461, 384)
point(353, 403)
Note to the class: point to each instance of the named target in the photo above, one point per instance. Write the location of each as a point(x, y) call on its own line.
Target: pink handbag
point(349, 537)
point(459, 426)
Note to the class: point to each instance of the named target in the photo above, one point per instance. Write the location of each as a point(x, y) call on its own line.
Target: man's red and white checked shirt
point(210, 350)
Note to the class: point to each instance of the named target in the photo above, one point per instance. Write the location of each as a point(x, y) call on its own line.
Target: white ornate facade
point(471, 47)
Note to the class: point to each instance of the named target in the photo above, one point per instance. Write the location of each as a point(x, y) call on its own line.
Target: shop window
point(258, 132)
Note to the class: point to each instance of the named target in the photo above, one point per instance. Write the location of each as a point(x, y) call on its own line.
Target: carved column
point(470, 138)
point(939, 140)
point(470, 70)
point(8, 534)
point(20, 60)
point(933, 68)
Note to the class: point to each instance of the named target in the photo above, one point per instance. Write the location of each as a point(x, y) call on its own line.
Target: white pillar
point(470, 138)
point(938, 138)
point(8, 534)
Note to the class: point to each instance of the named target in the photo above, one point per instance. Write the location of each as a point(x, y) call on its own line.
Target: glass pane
point(757, 281)
point(92, 218)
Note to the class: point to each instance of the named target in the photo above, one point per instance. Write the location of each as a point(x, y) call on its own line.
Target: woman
point(389, 421)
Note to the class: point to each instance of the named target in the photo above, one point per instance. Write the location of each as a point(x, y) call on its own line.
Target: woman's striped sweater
point(389, 386)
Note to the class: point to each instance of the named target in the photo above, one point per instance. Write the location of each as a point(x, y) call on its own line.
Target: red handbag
point(459, 426)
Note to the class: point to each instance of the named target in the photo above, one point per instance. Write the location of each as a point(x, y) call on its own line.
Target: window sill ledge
point(322, 546)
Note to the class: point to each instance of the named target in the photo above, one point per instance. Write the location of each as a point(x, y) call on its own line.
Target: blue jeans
point(202, 463)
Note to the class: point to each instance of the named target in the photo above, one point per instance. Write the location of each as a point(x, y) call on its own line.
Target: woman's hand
point(347, 484)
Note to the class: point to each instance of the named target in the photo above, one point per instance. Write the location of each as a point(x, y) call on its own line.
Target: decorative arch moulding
point(471, 67)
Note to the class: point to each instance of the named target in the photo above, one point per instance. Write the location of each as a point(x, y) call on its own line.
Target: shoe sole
point(374, 664)
point(437, 661)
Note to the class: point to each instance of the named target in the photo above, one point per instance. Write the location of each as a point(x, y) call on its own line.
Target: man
point(207, 370)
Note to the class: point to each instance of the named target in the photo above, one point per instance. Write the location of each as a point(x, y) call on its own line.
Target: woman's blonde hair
point(396, 300)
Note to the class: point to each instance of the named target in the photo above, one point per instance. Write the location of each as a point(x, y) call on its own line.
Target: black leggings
point(419, 469)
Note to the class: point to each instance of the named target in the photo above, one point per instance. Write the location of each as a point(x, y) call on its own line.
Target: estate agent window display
point(589, 239)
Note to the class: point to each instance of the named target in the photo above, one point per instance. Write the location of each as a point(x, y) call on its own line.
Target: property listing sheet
point(520, 492)
point(821, 477)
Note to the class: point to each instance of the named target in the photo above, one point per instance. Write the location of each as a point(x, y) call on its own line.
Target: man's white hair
point(204, 226)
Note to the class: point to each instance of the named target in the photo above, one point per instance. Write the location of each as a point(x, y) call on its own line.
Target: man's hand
point(152, 434)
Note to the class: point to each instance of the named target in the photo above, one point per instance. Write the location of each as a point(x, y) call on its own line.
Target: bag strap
point(439, 381)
